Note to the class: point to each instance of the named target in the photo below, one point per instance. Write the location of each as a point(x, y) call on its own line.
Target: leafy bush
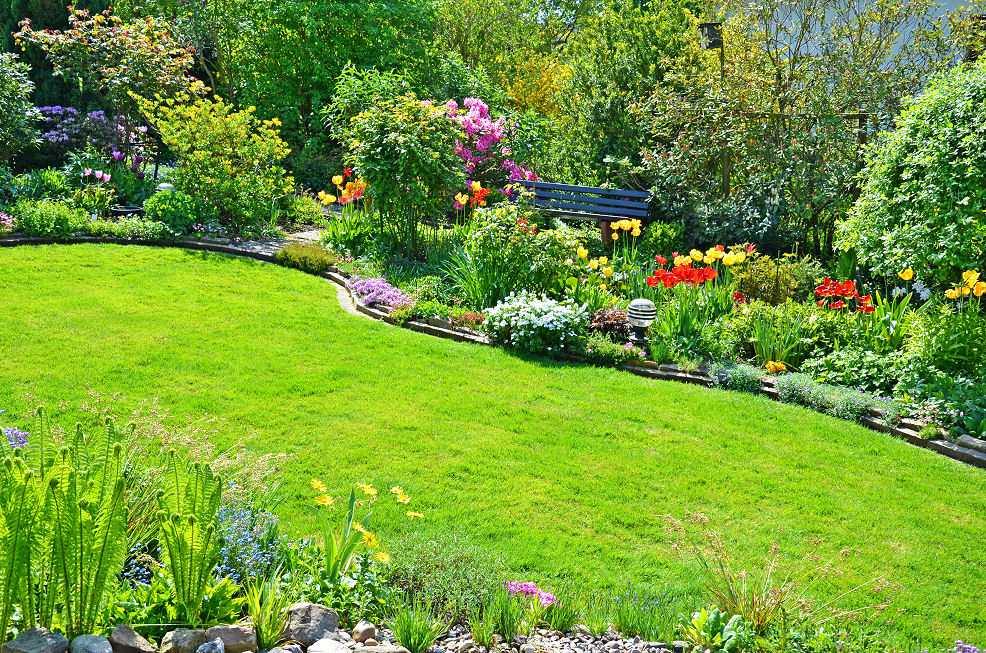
point(861, 368)
point(611, 322)
point(405, 150)
point(47, 218)
point(599, 349)
point(228, 159)
point(131, 228)
point(302, 209)
point(174, 208)
point(356, 91)
point(536, 324)
point(17, 115)
point(307, 257)
point(660, 238)
point(41, 184)
point(920, 206)
point(743, 378)
point(777, 280)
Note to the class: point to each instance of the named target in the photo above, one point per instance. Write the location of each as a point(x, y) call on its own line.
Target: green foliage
point(776, 280)
point(342, 542)
point(117, 58)
point(618, 55)
point(416, 627)
point(63, 520)
point(405, 150)
point(52, 218)
point(178, 210)
point(482, 626)
point(307, 257)
point(43, 183)
point(227, 158)
point(129, 228)
point(778, 340)
point(188, 504)
point(16, 112)
point(452, 575)
point(223, 602)
point(267, 605)
point(302, 209)
point(717, 630)
point(661, 238)
point(506, 613)
point(923, 204)
point(742, 377)
point(599, 349)
point(356, 90)
point(949, 340)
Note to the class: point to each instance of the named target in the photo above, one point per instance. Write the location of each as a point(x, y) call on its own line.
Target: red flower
point(750, 248)
point(739, 298)
point(653, 281)
point(866, 308)
point(838, 304)
point(348, 172)
point(661, 260)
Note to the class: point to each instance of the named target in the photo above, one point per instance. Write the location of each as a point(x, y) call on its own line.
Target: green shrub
point(44, 183)
point(775, 281)
point(16, 112)
point(53, 218)
point(661, 238)
point(302, 209)
point(178, 210)
point(130, 228)
point(307, 257)
point(405, 150)
point(356, 91)
point(742, 377)
point(600, 350)
point(228, 159)
point(922, 204)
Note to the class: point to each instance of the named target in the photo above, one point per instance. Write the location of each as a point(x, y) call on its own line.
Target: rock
point(293, 648)
point(465, 645)
point(310, 622)
point(91, 644)
point(389, 648)
point(328, 645)
point(125, 639)
point(236, 639)
point(212, 646)
point(528, 648)
point(183, 640)
point(679, 646)
point(37, 640)
point(972, 443)
point(363, 631)
point(371, 642)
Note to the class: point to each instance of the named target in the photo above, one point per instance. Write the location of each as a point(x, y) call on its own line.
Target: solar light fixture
point(641, 314)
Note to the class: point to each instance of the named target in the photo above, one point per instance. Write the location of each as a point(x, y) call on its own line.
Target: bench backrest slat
point(608, 211)
point(609, 192)
point(602, 202)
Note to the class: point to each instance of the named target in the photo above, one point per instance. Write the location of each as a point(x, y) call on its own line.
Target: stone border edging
point(908, 429)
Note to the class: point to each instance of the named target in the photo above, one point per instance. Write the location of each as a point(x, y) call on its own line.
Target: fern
point(189, 504)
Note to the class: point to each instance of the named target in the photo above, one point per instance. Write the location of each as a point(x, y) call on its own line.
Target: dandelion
point(382, 556)
point(319, 486)
point(396, 490)
point(415, 515)
point(367, 489)
point(370, 540)
point(325, 500)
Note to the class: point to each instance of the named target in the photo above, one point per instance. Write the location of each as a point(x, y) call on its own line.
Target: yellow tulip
point(603, 260)
point(979, 289)
point(970, 277)
point(607, 272)
point(729, 259)
point(615, 236)
point(328, 199)
point(740, 257)
point(696, 255)
point(583, 252)
point(462, 198)
point(635, 233)
point(952, 293)
point(966, 290)
point(476, 187)
point(906, 275)
point(594, 264)
point(708, 260)
point(337, 180)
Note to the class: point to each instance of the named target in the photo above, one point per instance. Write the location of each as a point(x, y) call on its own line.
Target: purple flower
point(377, 292)
point(140, 175)
point(16, 438)
point(134, 168)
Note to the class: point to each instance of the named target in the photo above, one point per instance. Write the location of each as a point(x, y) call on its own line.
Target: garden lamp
point(641, 314)
point(711, 35)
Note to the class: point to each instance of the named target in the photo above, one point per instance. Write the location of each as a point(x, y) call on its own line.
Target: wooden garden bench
point(603, 205)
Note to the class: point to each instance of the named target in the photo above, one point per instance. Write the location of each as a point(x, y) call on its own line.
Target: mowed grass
point(560, 469)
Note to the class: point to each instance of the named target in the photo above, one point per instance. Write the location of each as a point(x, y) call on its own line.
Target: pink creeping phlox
point(530, 589)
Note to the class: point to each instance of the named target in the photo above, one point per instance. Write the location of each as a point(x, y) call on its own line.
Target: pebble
point(371, 642)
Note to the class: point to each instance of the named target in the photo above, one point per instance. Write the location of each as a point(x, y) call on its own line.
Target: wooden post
point(606, 231)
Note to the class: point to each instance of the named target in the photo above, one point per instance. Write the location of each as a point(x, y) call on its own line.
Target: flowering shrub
point(529, 590)
point(743, 378)
point(6, 222)
point(378, 292)
point(228, 159)
point(16, 112)
point(536, 324)
point(601, 350)
point(16, 438)
point(249, 545)
point(66, 129)
point(485, 152)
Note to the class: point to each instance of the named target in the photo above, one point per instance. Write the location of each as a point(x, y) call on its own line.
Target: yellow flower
point(602, 286)
point(594, 263)
point(952, 293)
point(325, 500)
point(774, 366)
point(966, 290)
point(328, 199)
point(680, 260)
point(708, 260)
point(337, 180)
point(462, 198)
point(970, 277)
point(729, 259)
point(583, 252)
point(635, 233)
point(318, 485)
point(696, 255)
point(382, 556)
point(367, 489)
point(396, 490)
point(370, 540)
point(607, 272)
point(615, 236)
point(476, 187)
point(740, 257)
point(403, 498)
point(906, 275)
point(603, 260)
point(413, 515)
point(979, 289)
point(358, 527)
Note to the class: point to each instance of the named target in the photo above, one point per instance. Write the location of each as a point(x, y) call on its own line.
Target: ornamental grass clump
point(416, 627)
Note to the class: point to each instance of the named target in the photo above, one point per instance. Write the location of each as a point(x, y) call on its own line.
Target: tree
point(16, 110)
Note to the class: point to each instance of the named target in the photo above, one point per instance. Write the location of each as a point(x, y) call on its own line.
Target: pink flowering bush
point(529, 590)
point(485, 150)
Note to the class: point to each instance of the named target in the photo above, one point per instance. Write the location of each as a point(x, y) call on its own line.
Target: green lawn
point(560, 469)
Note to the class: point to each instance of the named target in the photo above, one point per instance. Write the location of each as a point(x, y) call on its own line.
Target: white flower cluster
point(535, 323)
